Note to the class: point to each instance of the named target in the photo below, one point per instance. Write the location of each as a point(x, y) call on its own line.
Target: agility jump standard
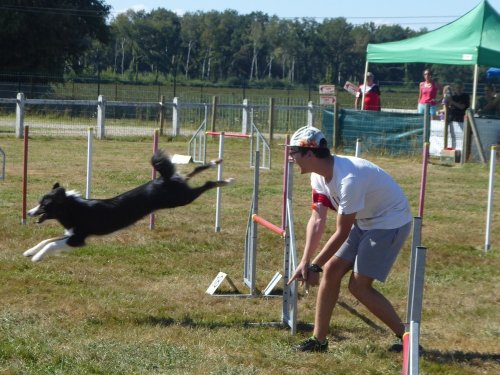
point(197, 145)
point(286, 231)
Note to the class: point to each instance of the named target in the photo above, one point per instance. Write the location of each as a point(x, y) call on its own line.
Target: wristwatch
point(314, 268)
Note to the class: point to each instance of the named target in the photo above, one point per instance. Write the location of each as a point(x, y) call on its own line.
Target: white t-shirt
point(362, 187)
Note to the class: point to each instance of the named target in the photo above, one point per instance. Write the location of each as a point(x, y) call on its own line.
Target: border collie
point(84, 217)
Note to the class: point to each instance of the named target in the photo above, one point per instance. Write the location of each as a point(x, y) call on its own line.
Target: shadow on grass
point(189, 322)
point(459, 356)
point(301, 326)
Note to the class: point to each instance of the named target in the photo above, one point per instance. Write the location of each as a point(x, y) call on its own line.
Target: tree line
point(54, 39)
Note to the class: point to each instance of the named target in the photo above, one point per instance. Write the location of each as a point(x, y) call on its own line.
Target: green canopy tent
point(473, 39)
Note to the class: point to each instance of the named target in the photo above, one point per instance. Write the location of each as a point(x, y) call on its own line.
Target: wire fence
point(73, 117)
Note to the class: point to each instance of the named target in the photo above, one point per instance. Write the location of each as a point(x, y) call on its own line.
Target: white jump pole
point(90, 137)
point(358, 148)
point(25, 173)
point(153, 176)
point(489, 215)
point(219, 178)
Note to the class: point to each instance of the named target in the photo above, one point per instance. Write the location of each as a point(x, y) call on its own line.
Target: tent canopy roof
point(472, 39)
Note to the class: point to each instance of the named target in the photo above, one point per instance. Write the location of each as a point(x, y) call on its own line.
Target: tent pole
point(364, 83)
point(474, 87)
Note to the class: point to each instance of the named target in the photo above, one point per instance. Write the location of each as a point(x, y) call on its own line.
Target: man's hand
point(300, 274)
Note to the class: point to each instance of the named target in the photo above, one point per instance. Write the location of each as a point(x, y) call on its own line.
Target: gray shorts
point(373, 252)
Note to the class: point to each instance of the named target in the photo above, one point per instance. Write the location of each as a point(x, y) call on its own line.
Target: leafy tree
point(47, 38)
point(335, 35)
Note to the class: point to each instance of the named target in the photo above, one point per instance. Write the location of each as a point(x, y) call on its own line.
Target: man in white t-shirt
point(373, 222)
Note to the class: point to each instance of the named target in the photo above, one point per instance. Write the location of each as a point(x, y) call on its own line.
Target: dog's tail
point(162, 164)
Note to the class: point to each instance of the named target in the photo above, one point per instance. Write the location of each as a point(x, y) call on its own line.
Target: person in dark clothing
point(457, 103)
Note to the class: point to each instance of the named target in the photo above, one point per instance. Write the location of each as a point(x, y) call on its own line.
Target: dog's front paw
point(38, 256)
point(230, 181)
point(31, 252)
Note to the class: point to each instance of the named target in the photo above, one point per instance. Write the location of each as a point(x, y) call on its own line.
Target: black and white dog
point(84, 217)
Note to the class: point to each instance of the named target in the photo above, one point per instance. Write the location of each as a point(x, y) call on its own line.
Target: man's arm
point(314, 231)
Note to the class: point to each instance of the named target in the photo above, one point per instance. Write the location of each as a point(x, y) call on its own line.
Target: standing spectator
point(372, 94)
point(458, 103)
point(427, 93)
point(373, 220)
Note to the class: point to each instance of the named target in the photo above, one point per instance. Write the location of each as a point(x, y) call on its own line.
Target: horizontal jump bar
point(230, 134)
point(268, 225)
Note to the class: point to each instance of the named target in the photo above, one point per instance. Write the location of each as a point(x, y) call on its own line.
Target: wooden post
point(466, 142)
point(214, 111)
point(271, 118)
point(446, 125)
point(101, 117)
point(336, 126)
point(20, 100)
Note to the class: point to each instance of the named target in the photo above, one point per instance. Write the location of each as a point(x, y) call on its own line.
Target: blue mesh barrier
point(384, 132)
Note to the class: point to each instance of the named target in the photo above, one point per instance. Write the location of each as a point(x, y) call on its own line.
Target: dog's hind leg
point(201, 168)
point(53, 247)
point(40, 246)
point(196, 192)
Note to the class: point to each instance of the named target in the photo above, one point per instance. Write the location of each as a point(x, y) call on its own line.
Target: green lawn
point(134, 302)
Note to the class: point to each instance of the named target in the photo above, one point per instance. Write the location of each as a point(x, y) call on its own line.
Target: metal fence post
point(176, 115)
point(244, 117)
point(20, 100)
point(310, 114)
point(162, 113)
point(101, 117)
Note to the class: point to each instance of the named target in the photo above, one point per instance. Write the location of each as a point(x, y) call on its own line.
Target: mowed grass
point(134, 302)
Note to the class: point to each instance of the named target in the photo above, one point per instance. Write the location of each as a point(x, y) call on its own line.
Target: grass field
point(134, 302)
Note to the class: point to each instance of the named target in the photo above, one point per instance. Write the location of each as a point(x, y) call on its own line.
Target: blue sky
point(414, 14)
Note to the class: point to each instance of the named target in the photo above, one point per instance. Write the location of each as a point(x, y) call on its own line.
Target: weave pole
point(153, 176)
point(489, 214)
point(416, 241)
point(90, 137)
point(411, 349)
point(423, 181)
point(25, 173)
point(406, 352)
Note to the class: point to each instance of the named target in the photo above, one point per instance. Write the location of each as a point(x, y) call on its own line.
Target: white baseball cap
point(308, 136)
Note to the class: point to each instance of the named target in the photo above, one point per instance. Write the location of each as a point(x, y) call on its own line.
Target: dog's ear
point(56, 185)
point(59, 194)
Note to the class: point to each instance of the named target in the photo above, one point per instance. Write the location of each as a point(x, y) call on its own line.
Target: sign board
point(326, 100)
point(351, 88)
point(327, 90)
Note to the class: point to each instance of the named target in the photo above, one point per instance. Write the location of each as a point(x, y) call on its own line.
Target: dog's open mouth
point(41, 218)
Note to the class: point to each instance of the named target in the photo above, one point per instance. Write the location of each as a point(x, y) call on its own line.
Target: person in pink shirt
point(427, 93)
